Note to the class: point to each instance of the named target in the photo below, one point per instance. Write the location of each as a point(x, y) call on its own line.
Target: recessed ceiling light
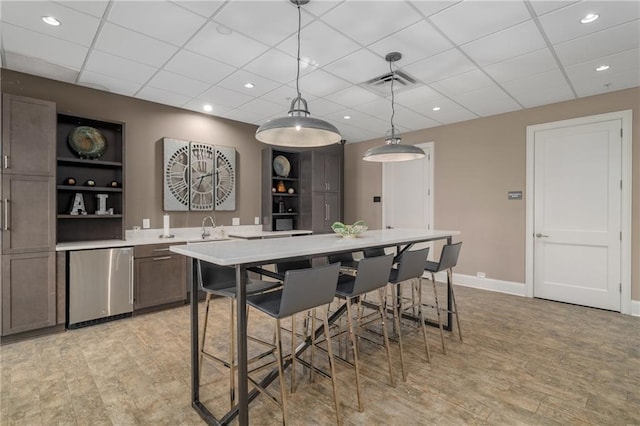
point(249, 85)
point(603, 68)
point(436, 108)
point(51, 21)
point(589, 18)
point(347, 117)
point(207, 108)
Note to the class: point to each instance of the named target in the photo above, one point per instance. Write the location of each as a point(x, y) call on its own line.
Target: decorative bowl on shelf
point(281, 166)
point(349, 231)
point(87, 142)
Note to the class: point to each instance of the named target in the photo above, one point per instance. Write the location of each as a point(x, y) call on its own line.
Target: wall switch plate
point(235, 221)
point(256, 220)
point(146, 224)
point(376, 198)
point(481, 275)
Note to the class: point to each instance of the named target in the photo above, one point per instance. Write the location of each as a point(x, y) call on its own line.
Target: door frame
point(625, 208)
point(430, 147)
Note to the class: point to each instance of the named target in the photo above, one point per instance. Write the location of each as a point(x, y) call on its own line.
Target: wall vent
point(381, 84)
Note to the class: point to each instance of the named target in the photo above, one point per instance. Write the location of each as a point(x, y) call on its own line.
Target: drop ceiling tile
point(116, 67)
point(323, 107)
point(469, 20)
point(238, 79)
point(607, 82)
point(225, 97)
point(198, 67)
point(352, 96)
point(452, 114)
point(76, 27)
point(359, 66)
point(440, 66)
point(36, 45)
point(416, 42)
point(225, 48)
point(463, 83)
point(417, 96)
point(620, 61)
point(428, 8)
point(487, 101)
point(544, 88)
point(356, 134)
point(177, 83)
point(522, 66)
point(131, 45)
point(425, 106)
point(277, 66)
point(380, 108)
point(313, 44)
point(197, 104)
point(36, 66)
point(321, 83)
point(108, 84)
point(244, 116)
point(369, 28)
point(262, 107)
point(409, 119)
point(500, 46)
point(319, 8)
point(162, 96)
point(284, 94)
point(268, 21)
point(602, 43)
point(92, 7)
point(542, 7)
point(373, 124)
point(202, 8)
point(564, 24)
point(170, 23)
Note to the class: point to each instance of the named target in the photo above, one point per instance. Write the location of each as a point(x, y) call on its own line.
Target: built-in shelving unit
point(280, 209)
point(102, 171)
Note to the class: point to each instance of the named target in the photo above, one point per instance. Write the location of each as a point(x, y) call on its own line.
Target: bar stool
point(410, 268)
point(216, 280)
point(347, 262)
point(372, 274)
point(448, 259)
point(302, 290)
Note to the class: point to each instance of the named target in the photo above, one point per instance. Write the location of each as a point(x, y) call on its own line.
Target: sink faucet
point(206, 234)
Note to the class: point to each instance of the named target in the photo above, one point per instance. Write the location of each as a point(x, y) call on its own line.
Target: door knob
point(539, 235)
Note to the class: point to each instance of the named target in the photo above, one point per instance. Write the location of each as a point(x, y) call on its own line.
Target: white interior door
point(407, 192)
point(577, 214)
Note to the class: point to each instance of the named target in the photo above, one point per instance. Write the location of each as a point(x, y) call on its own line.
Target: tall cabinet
point(28, 215)
point(321, 171)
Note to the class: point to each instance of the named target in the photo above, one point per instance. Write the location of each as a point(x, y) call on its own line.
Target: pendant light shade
point(298, 129)
point(392, 150)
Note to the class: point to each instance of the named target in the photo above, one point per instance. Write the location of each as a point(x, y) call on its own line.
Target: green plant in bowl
point(349, 231)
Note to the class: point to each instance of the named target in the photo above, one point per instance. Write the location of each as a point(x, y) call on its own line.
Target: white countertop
point(264, 251)
point(180, 236)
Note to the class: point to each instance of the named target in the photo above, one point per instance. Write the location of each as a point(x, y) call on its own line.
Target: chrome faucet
point(206, 234)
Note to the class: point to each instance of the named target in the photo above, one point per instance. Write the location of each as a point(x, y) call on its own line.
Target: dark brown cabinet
point(29, 297)
point(321, 188)
point(92, 177)
point(159, 276)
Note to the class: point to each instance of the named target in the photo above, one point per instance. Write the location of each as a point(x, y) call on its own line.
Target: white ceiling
point(470, 58)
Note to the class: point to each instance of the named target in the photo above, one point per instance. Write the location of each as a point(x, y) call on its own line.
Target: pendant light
point(392, 150)
point(298, 129)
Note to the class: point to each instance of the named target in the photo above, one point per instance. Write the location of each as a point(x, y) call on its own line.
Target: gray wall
point(146, 124)
point(476, 162)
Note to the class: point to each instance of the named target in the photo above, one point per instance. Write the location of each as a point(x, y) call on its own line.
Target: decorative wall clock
point(176, 175)
point(198, 176)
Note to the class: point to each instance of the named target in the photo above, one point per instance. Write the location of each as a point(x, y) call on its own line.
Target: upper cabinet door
point(327, 168)
point(28, 136)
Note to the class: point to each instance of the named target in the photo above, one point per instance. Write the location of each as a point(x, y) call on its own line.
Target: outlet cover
point(256, 220)
point(235, 221)
point(146, 224)
point(481, 275)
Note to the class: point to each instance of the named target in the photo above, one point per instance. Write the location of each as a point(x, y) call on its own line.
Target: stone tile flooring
point(523, 361)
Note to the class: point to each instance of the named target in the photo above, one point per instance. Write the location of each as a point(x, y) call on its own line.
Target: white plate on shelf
point(281, 166)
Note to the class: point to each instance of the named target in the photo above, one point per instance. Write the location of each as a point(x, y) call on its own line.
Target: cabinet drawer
point(159, 279)
point(152, 250)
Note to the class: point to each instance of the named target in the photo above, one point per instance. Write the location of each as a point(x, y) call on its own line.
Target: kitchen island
point(255, 253)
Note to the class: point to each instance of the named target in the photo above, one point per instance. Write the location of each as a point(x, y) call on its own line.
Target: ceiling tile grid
point(470, 58)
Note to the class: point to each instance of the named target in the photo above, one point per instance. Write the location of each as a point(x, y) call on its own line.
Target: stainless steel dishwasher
point(100, 285)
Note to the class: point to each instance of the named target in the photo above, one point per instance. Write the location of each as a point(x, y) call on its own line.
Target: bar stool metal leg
point(418, 289)
point(327, 333)
point(435, 296)
point(283, 389)
point(354, 344)
point(396, 306)
point(385, 334)
point(455, 305)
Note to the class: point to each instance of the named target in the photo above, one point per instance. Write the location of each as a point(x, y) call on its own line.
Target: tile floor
point(523, 361)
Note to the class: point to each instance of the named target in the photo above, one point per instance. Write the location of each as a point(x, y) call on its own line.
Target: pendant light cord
point(393, 108)
point(298, 73)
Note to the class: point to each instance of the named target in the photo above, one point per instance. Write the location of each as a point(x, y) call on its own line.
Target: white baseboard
point(508, 287)
point(490, 284)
